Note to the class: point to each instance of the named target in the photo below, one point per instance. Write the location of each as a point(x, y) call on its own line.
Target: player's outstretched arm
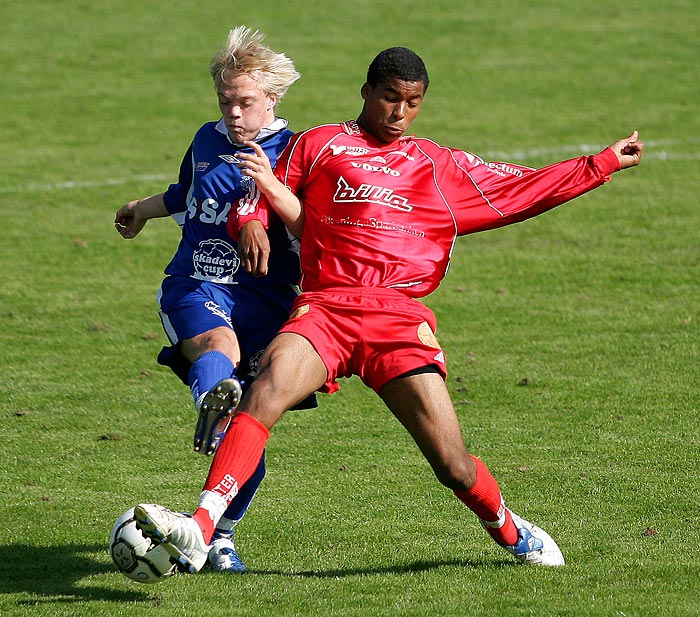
point(628, 150)
point(283, 201)
point(131, 218)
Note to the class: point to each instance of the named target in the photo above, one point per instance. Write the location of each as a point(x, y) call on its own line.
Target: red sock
point(485, 500)
point(235, 461)
point(205, 522)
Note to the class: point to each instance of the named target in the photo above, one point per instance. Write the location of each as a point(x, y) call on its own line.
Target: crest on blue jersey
point(247, 183)
point(216, 260)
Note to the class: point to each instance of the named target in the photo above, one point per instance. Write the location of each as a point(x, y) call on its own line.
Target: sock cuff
point(208, 370)
point(212, 355)
point(214, 504)
point(244, 419)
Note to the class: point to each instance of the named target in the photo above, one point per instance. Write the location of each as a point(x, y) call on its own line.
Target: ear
point(365, 90)
point(271, 102)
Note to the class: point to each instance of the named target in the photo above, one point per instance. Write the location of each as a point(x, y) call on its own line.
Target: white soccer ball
point(136, 556)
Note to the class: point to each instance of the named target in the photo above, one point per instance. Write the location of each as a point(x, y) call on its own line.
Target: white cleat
point(535, 546)
point(215, 414)
point(179, 534)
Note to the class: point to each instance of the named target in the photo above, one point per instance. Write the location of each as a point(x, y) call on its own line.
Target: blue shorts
point(189, 307)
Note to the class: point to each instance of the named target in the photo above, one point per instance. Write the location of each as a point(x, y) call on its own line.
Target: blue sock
point(237, 508)
point(208, 370)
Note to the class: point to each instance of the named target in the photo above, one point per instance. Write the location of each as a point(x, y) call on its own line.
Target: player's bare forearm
point(288, 207)
point(283, 201)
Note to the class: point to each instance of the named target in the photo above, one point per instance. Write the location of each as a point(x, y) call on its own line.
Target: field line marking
point(660, 150)
point(79, 184)
point(656, 150)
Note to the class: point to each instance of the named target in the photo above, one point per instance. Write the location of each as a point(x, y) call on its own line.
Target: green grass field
point(572, 339)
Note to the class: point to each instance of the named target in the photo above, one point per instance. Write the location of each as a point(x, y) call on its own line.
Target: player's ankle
point(203, 519)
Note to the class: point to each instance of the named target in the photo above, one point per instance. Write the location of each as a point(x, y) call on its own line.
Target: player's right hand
point(127, 222)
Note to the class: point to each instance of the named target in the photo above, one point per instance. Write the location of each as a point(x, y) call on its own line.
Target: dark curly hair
point(397, 63)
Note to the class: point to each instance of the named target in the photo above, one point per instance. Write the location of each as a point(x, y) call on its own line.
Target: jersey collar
point(279, 124)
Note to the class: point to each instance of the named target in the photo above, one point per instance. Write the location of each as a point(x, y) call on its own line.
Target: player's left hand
point(254, 248)
point(628, 150)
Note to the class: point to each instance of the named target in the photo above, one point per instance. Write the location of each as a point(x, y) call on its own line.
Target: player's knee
point(261, 403)
point(265, 394)
point(260, 394)
point(217, 339)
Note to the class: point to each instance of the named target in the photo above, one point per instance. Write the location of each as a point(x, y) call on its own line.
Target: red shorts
point(377, 334)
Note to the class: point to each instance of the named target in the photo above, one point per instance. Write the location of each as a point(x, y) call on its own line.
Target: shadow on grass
point(52, 573)
point(56, 574)
point(410, 568)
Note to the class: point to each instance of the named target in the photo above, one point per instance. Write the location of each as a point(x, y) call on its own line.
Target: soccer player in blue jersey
point(217, 316)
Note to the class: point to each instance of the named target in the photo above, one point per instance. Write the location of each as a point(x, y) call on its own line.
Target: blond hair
point(244, 54)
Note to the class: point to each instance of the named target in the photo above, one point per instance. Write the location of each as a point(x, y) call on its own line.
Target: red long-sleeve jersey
point(388, 215)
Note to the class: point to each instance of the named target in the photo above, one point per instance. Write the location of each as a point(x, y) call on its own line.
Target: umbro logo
point(230, 158)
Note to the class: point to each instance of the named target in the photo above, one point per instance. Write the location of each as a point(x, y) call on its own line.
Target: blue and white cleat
point(535, 546)
point(215, 414)
point(223, 556)
point(179, 534)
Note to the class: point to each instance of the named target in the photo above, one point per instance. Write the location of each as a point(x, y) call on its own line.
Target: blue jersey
point(209, 185)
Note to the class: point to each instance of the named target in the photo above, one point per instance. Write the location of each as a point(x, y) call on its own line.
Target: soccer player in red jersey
point(378, 213)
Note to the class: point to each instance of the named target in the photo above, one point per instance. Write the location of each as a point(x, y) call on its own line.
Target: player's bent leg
point(290, 370)
point(422, 405)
